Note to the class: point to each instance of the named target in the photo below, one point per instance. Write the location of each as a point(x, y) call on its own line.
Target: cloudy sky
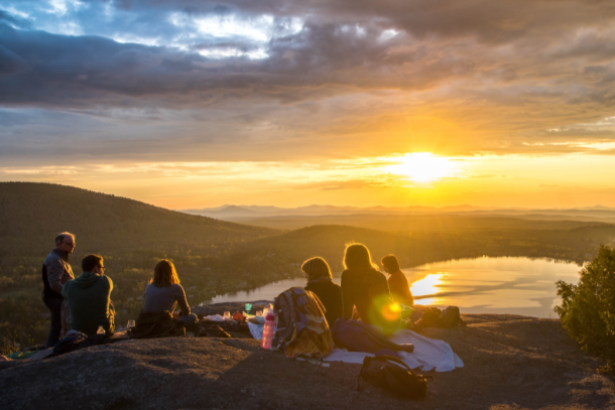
point(193, 103)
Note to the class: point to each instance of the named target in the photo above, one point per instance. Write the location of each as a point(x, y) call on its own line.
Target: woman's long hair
point(357, 256)
point(316, 268)
point(165, 274)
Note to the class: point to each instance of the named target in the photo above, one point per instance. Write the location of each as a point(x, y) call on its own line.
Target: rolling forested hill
point(417, 223)
point(215, 257)
point(130, 235)
point(577, 244)
point(31, 214)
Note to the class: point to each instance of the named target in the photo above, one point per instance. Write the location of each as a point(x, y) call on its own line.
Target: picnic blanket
point(429, 354)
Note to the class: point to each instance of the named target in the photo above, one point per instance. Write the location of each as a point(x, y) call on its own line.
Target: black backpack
point(394, 375)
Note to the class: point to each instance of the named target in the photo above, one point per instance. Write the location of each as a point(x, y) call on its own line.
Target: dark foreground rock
point(511, 362)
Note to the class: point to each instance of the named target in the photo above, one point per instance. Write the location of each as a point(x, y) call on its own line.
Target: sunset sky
point(192, 103)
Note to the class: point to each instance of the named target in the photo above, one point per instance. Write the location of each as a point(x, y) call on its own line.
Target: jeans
point(55, 307)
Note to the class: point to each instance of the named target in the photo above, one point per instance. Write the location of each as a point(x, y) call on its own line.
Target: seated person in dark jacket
point(366, 288)
point(89, 298)
point(164, 292)
point(398, 284)
point(320, 282)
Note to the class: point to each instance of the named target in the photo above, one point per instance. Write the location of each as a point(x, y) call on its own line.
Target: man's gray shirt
point(57, 271)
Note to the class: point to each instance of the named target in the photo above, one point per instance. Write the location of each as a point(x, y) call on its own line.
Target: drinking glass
point(227, 315)
point(248, 308)
point(131, 324)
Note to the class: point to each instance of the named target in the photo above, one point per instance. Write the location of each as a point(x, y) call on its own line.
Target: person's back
point(320, 281)
point(399, 288)
point(366, 289)
point(89, 298)
point(330, 294)
point(398, 284)
point(161, 298)
point(164, 291)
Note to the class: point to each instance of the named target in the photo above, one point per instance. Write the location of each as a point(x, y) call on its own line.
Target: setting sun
point(422, 167)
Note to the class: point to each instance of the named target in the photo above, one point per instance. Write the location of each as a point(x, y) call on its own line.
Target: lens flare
point(391, 311)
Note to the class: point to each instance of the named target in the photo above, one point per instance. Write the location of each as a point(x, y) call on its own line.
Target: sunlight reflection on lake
point(492, 285)
point(514, 285)
point(427, 286)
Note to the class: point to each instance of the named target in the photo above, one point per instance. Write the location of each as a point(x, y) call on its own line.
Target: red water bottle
point(268, 331)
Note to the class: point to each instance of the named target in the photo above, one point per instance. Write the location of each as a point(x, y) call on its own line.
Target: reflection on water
point(267, 292)
point(427, 286)
point(492, 285)
point(484, 285)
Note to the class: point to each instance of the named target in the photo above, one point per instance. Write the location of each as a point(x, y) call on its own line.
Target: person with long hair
point(398, 284)
point(364, 287)
point(164, 292)
point(320, 281)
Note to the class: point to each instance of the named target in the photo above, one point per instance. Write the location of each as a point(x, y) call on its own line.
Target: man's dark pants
point(55, 307)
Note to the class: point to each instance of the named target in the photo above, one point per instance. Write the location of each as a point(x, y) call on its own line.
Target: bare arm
point(182, 301)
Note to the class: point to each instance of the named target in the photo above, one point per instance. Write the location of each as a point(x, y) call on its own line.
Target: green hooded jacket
point(89, 301)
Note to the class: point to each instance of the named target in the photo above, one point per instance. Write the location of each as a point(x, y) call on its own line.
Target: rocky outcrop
point(511, 362)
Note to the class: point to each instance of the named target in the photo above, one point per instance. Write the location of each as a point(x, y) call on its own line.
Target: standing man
point(56, 273)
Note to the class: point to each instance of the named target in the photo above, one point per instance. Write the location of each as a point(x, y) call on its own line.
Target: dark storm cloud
point(519, 66)
point(14, 21)
point(338, 50)
point(499, 21)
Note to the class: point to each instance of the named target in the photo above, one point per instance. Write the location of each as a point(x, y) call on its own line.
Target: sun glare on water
point(427, 286)
point(422, 167)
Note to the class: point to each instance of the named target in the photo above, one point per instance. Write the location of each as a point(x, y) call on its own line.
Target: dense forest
point(215, 257)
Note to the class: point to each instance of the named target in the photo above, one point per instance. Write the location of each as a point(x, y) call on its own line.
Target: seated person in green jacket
point(89, 299)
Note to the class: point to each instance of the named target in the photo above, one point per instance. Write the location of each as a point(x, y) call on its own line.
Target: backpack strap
point(366, 362)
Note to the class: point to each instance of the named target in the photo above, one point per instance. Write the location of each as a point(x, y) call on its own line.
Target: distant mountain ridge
point(247, 211)
point(312, 210)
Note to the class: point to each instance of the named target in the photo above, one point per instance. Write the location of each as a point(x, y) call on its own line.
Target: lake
point(514, 285)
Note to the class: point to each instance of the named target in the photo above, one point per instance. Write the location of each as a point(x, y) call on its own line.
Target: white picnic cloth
point(429, 354)
point(256, 330)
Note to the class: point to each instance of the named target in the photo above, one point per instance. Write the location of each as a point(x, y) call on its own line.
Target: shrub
point(588, 309)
